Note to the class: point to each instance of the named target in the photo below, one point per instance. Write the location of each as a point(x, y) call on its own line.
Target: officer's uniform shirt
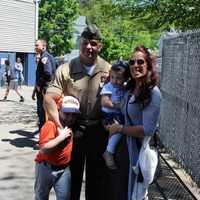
point(45, 70)
point(73, 79)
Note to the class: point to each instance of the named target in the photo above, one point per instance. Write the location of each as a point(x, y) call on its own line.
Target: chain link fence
point(180, 111)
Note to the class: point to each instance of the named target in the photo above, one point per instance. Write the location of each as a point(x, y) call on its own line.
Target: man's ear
point(100, 46)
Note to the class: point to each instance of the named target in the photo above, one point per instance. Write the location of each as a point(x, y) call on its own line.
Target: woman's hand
point(114, 128)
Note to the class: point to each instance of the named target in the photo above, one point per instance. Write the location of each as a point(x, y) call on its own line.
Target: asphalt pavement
point(18, 139)
point(18, 122)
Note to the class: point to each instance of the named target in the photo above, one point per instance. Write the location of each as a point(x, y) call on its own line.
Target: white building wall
point(17, 25)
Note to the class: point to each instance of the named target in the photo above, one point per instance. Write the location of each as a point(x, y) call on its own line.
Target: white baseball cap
point(70, 105)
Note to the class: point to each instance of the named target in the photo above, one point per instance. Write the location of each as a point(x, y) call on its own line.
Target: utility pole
point(36, 17)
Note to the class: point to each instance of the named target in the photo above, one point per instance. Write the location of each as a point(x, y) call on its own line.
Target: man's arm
point(51, 108)
point(55, 93)
point(48, 71)
point(34, 93)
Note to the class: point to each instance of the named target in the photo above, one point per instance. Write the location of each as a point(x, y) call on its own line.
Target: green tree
point(56, 24)
point(181, 14)
point(121, 32)
point(162, 14)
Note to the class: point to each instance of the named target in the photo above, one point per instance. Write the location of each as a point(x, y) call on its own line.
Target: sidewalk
point(18, 122)
point(17, 126)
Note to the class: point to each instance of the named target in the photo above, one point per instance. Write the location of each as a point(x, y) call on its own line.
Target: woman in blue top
point(141, 110)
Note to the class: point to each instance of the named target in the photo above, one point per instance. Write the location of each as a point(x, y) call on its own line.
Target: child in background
point(52, 160)
point(111, 96)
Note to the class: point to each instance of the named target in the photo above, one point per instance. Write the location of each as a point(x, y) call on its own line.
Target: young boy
point(111, 95)
point(52, 160)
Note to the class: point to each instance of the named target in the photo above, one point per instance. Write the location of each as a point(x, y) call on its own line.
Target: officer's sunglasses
point(133, 62)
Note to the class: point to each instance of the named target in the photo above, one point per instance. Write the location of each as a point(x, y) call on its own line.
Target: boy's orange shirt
point(61, 155)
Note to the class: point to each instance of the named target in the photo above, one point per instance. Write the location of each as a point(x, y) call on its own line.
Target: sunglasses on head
point(139, 62)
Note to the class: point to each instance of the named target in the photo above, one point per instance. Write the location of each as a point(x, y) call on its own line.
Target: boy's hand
point(64, 133)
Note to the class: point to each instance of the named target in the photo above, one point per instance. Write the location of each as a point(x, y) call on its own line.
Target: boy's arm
point(52, 144)
point(106, 101)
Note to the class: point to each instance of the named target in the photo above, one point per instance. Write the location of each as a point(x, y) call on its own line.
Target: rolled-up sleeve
point(106, 90)
point(151, 113)
point(59, 84)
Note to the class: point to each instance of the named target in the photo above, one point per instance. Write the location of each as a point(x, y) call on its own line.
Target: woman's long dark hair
point(144, 95)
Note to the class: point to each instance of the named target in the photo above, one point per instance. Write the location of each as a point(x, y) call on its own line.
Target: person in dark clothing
point(7, 72)
point(46, 67)
point(11, 73)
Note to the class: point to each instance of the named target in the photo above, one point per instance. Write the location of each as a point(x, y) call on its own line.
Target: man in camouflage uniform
point(82, 78)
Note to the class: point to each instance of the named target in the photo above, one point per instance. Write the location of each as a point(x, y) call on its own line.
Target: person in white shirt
point(19, 67)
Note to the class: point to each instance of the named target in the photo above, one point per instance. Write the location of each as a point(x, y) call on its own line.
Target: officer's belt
point(89, 122)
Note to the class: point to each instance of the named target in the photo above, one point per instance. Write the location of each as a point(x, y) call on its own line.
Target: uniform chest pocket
point(81, 84)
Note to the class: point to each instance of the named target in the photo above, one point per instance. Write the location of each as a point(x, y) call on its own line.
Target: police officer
point(45, 71)
point(82, 78)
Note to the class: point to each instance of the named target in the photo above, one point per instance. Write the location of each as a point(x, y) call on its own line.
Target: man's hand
point(51, 107)
point(33, 94)
point(37, 88)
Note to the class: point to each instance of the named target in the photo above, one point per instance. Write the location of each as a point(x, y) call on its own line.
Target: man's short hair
point(44, 42)
point(91, 32)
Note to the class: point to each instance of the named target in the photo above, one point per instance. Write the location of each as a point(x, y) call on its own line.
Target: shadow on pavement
point(21, 142)
point(26, 141)
point(28, 134)
point(7, 100)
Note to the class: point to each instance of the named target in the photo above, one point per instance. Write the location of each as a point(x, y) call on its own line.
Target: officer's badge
point(44, 60)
